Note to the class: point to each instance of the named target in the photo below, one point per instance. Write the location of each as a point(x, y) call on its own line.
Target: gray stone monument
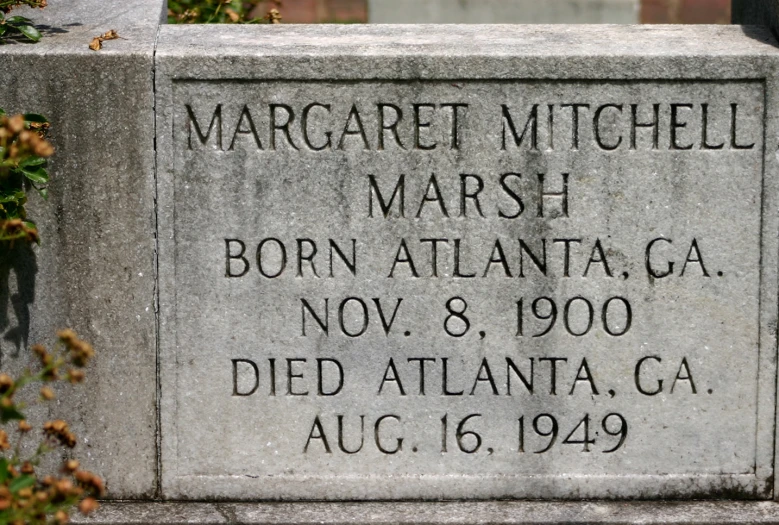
point(413, 274)
point(94, 270)
point(446, 263)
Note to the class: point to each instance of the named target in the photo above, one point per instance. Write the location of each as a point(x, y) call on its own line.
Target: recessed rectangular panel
point(464, 289)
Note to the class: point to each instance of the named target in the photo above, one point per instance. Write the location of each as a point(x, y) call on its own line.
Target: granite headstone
point(451, 262)
point(408, 263)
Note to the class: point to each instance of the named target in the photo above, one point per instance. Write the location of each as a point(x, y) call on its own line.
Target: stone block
point(435, 513)
point(94, 270)
point(467, 262)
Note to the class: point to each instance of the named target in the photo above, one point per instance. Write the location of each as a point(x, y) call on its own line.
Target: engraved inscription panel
point(464, 289)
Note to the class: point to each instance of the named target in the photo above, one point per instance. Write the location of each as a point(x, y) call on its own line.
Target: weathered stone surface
point(503, 12)
point(252, 174)
point(508, 513)
point(94, 270)
point(253, 339)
